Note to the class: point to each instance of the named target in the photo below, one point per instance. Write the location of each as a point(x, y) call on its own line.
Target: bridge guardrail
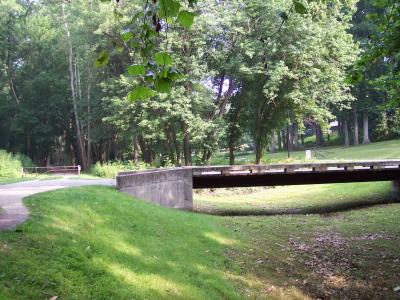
point(296, 167)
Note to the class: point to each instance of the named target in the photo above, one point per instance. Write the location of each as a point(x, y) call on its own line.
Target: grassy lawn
point(95, 243)
point(381, 150)
point(301, 199)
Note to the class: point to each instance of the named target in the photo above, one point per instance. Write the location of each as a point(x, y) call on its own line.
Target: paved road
point(11, 195)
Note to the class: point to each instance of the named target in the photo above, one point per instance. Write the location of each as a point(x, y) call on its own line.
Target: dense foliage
point(10, 165)
point(170, 82)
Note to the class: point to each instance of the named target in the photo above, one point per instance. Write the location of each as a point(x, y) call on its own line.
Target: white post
point(308, 154)
point(79, 170)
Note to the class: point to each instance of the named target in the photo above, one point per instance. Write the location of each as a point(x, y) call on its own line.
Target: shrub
point(10, 165)
point(111, 169)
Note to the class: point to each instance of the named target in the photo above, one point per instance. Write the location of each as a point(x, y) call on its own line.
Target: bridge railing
point(296, 167)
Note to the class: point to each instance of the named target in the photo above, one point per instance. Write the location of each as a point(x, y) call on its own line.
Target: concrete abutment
point(167, 187)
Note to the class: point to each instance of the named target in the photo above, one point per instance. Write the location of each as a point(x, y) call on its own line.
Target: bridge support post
point(396, 189)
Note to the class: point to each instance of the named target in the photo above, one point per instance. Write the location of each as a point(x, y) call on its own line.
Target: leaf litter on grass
point(334, 263)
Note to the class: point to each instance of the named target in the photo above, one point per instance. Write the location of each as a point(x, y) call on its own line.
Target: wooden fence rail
point(51, 170)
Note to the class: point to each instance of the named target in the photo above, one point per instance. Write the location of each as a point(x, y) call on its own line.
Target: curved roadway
point(13, 210)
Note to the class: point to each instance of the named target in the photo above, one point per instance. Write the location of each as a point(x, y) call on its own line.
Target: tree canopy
point(171, 82)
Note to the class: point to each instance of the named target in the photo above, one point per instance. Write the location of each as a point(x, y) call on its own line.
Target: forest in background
point(246, 71)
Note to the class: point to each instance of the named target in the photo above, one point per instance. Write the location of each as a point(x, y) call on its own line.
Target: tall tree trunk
point(259, 136)
point(89, 119)
point(280, 139)
point(284, 139)
point(290, 138)
point(295, 136)
point(365, 128)
point(146, 151)
point(319, 135)
point(346, 133)
point(231, 155)
point(355, 124)
point(135, 149)
point(288, 141)
point(259, 151)
point(176, 144)
point(186, 145)
point(81, 155)
point(169, 144)
point(272, 144)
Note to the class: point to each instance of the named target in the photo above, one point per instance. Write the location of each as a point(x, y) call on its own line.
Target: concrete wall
point(167, 187)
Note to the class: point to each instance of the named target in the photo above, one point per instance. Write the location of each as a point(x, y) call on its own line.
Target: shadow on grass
point(339, 207)
point(95, 243)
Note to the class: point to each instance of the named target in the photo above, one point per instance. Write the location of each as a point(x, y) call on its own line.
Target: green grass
point(96, 243)
point(301, 199)
point(380, 150)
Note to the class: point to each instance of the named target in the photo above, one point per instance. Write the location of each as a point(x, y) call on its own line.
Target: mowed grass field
point(296, 242)
point(97, 243)
point(380, 150)
point(302, 199)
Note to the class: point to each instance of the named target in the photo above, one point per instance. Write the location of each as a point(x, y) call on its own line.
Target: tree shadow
point(92, 246)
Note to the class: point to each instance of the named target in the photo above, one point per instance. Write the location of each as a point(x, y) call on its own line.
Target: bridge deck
point(294, 174)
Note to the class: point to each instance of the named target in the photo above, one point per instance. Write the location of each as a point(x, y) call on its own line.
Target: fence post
point(79, 170)
point(22, 172)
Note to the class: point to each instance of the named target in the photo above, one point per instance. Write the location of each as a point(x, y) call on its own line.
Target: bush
point(10, 165)
point(111, 169)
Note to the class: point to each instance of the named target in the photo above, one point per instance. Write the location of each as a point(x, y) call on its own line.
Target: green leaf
point(149, 32)
point(185, 18)
point(372, 17)
point(126, 36)
point(163, 85)
point(136, 70)
point(174, 74)
point(299, 7)
point(103, 59)
point(149, 78)
point(164, 73)
point(137, 16)
point(163, 59)
point(135, 44)
point(380, 3)
point(141, 93)
point(168, 8)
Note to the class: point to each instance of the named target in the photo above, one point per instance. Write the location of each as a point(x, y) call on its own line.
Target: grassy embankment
point(95, 243)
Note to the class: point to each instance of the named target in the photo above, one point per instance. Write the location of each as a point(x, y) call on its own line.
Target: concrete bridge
point(174, 187)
